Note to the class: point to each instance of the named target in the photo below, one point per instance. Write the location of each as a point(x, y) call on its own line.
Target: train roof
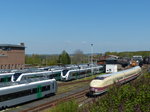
point(105, 75)
point(114, 73)
point(6, 74)
point(32, 73)
point(30, 70)
point(8, 84)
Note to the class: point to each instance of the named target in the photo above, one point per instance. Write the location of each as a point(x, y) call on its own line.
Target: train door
point(54, 87)
point(58, 75)
point(39, 91)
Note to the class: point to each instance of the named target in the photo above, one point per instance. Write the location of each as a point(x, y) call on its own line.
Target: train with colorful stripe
point(15, 93)
point(102, 83)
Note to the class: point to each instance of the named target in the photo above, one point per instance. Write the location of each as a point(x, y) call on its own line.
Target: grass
point(70, 106)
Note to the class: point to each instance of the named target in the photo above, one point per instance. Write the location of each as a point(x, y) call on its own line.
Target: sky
point(51, 26)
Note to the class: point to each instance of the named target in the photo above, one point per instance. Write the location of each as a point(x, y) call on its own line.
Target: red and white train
point(101, 83)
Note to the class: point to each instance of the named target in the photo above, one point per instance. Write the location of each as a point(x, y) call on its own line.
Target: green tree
point(64, 58)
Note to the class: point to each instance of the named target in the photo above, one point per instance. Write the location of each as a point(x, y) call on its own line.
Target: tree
point(64, 58)
point(79, 57)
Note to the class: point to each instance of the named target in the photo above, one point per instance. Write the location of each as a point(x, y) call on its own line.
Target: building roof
point(11, 45)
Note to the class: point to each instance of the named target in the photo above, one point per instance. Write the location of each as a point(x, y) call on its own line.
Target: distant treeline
point(129, 54)
point(41, 60)
point(62, 59)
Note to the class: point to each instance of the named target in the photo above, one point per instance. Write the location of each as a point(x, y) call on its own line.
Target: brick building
point(12, 56)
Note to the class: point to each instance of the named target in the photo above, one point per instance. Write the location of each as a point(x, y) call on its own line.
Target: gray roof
point(5, 84)
point(11, 45)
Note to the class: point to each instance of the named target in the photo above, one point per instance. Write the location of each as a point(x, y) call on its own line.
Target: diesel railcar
point(101, 83)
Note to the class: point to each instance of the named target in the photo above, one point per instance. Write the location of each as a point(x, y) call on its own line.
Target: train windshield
point(100, 78)
point(64, 72)
point(16, 75)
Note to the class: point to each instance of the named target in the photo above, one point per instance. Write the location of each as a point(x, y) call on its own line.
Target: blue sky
point(51, 26)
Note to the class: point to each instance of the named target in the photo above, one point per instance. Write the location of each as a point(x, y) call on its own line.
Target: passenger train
point(48, 74)
point(12, 94)
point(67, 75)
point(101, 83)
point(19, 76)
point(59, 74)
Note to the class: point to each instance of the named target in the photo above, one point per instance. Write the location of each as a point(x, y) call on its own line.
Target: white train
point(48, 74)
point(19, 76)
point(12, 94)
point(101, 83)
point(67, 75)
point(26, 76)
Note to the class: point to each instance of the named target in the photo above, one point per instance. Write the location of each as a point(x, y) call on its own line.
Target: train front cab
point(95, 88)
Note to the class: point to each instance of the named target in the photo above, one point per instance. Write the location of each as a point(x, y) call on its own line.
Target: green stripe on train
point(39, 91)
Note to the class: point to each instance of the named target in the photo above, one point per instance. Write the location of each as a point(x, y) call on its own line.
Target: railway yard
point(66, 91)
point(71, 90)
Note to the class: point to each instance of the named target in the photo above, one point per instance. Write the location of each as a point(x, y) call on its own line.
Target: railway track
point(75, 82)
point(56, 102)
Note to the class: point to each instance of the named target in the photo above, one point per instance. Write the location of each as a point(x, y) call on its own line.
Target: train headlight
point(96, 90)
point(92, 89)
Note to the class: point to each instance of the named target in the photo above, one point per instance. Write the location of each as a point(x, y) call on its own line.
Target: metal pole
point(92, 58)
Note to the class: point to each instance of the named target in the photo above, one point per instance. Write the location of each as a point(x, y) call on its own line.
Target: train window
point(14, 95)
point(16, 75)
point(47, 88)
point(64, 72)
point(100, 78)
point(50, 76)
point(74, 74)
point(5, 79)
point(22, 93)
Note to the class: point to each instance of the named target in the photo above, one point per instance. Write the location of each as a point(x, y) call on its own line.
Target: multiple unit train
point(67, 75)
point(48, 74)
point(18, 76)
point(17, 93)
point(64, 75)
point(101, 83)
